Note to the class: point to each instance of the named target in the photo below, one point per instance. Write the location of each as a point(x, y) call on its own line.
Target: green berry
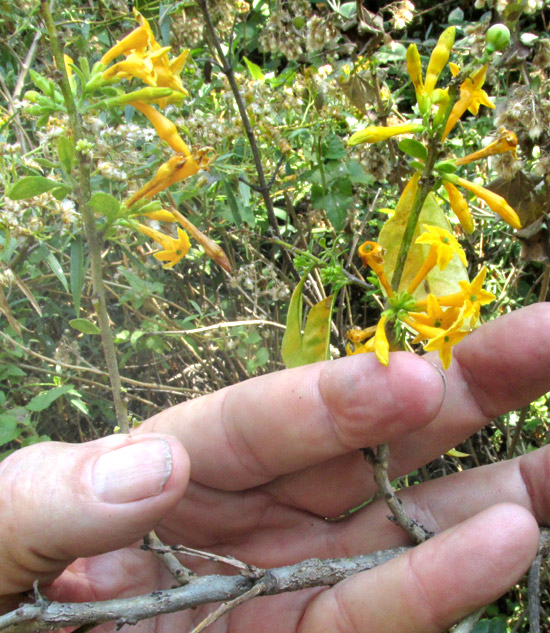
point(497, 38)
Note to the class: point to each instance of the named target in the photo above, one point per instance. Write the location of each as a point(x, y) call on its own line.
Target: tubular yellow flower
point(358, 336)
point(414, 68)
point(148, 61)
point(138, 38)
point(160, 216)
point(496, 203)
point(173, 170)
point(440, 339)
point(444, 342)
point(435, 317)
point(374, 133)
point(135, 65)
point(459, 207)
point(471, 97)
point(363, 348)
point(166, 130)
point(439, 58)
point(371, 254)
point(173, 249)
point(507, 142)
point(471, 297)
point(446, 243)
point(381, 345)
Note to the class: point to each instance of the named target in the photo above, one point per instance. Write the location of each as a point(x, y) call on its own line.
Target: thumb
point(60, 502)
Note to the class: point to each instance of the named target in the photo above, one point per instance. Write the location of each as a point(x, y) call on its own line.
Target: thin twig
point(181, 573)
point(251, 571)
point(380, 463)
point(83, 194)
point(228, 71)
point(225, 607)
point(130, 381)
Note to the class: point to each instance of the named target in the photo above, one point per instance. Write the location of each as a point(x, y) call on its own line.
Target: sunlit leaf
point(438, 282)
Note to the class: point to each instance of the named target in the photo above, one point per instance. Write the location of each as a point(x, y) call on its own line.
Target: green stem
point(424, 189)
point(83, 193)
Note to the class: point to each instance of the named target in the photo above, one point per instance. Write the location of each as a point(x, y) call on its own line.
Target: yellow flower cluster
point(442, 321)
point(147, 61)
point(439, 322)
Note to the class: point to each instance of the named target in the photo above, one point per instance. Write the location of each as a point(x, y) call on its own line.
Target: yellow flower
point(377, 343)
point(381, 345)
point(471, 297)
point(371, 254)
point(166, 130)
point(160, 216)
point(375, 133)
point(439, 58)
point(414, 68)
point(148, 61)
point(459, 206)
point(138, 38)
point(471, 97)
point(507, 142)
point(357, 337)
point(434, 317)
point(173, 170)
point(495, 202)
point(173, 249)
point(446, 244)
point(135, 65)
point(444, 342)
point(441, 339)
point(443, 248)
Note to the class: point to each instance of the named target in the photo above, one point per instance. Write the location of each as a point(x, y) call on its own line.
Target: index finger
point(250, 433)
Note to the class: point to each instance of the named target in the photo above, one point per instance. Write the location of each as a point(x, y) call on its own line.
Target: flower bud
point(497, 38)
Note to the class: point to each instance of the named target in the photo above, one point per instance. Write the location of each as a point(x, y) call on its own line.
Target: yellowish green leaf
point(438, 282)
point(454, 453)
point(313, 344)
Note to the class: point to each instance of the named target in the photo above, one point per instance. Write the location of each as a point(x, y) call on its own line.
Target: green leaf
point(65, 152)
point(234, 207)
point(493, 625)
point(254, 70)
point(333, 148)
point(84, 326)
point(31, 186)
point(77, 272)
point(54, 265)
point(61, 192)
point(9, 428)
point(446, 166)
point(334, 202)
point(105, 204)
point(413, 148)
point(313, 345)
point(44, 400)
point(358, 174)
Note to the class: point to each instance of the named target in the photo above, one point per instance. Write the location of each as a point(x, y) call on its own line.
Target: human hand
point(269, 459)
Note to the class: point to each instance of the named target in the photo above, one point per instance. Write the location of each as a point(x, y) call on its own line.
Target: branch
point(314, 572)
point(227, 68)
point(83, 195)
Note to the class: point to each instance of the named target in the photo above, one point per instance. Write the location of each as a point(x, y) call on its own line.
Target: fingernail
point(134, 472)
